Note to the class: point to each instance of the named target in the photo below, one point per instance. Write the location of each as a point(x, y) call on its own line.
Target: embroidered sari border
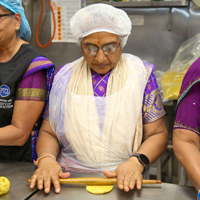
point(187, 89)
point(191, 77)
point(183, 126)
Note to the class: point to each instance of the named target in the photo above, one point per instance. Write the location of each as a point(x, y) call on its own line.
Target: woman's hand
point(49, 171)
point(128, 174)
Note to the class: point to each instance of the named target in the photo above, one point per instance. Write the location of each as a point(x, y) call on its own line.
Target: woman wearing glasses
point(105, 110)
point(25, 80)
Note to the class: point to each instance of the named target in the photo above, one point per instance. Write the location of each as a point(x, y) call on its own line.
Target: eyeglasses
point(108, 49)
point(5, 15)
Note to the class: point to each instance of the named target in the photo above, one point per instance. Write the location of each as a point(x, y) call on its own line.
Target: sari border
point(33, 67)
point(187, 89)
point(31, 94)
point(183, 126)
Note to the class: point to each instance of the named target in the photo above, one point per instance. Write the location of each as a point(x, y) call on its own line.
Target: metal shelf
point(135, 4)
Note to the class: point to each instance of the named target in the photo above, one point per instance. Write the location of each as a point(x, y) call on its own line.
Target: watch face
point(144, 159)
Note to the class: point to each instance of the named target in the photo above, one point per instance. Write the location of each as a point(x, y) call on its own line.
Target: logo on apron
point(4, 90)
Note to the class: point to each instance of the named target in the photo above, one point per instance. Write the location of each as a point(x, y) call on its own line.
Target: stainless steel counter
point(18, 173)
point(165, 191)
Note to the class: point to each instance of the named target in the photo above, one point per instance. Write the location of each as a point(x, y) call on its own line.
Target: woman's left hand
point(128, 174)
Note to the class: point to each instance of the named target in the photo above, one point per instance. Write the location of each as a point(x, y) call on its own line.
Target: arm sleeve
point(33, 87)
point(188, 111)
point(152, 104)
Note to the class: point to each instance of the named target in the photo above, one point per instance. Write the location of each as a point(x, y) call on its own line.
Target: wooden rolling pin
point(98, 181)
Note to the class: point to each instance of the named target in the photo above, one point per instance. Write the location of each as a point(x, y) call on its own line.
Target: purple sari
point(36, 85)
point(187, 113)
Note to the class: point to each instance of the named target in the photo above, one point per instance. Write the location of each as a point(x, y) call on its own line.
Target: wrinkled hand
point(49, 171)
point(128, 174)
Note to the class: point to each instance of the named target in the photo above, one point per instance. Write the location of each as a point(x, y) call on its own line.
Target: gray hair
point(7, 11)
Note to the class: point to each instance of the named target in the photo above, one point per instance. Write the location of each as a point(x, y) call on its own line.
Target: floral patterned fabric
point(99, 83)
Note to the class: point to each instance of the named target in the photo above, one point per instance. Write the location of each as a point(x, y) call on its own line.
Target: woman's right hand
point(49, 171)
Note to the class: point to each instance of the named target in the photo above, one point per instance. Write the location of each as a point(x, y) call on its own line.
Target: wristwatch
point(143, 160)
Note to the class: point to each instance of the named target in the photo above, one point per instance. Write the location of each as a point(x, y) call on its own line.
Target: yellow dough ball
point(4, 185)
point(99, 189)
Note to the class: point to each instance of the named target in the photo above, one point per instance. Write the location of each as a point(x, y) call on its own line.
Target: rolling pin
point(97, 181)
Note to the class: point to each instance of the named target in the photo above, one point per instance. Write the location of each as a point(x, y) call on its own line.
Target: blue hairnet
point(15, 6)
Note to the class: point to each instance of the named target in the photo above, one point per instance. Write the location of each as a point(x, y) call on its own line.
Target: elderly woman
point(25, 81)
point(186, 132)
point(105, 110)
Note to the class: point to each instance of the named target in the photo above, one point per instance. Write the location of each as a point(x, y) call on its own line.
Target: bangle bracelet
point(36, 162)
point(47, 150)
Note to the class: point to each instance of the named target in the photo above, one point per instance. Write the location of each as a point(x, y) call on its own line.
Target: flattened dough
point(99, 189)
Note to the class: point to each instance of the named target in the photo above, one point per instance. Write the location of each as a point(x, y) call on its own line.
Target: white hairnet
point(101, 18)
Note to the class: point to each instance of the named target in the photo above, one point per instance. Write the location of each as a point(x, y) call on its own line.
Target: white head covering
point(101, 18)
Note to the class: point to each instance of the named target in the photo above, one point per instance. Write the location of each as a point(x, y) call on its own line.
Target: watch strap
point(139, 157)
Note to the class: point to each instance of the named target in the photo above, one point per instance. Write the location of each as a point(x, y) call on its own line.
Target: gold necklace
point(14, 48)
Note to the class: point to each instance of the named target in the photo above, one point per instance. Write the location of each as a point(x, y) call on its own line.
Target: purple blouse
point(33, 87)
point(188, 115)
point(188, 107)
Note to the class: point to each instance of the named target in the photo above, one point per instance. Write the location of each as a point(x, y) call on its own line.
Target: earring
point(17, 28)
